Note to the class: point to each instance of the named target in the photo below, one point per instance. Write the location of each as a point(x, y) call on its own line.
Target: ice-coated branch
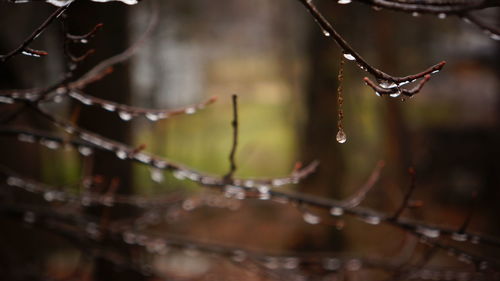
point(390, 84)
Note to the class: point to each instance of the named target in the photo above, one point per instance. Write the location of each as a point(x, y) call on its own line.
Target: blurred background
point(284, 71)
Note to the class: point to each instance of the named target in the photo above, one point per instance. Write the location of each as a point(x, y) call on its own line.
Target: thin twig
point(468, 219)
point(355, 199)
point(234, 146)
point(408, 194)
point(35, 34)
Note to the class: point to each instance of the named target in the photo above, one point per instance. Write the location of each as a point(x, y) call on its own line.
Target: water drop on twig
point(157, 175)
point(341, 136)
point(349, 56)
point(125, 116)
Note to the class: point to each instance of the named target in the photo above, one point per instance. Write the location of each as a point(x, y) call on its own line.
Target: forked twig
point(390, 83)
point(23, 47)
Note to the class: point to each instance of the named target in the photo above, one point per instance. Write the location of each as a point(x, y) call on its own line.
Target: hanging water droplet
point(429, 232)
point(331, 264)
point(190, 110)
point(326, 33)
point(441, 16)
point(349, 56)
point(344, 2)
point(341, 136)
point(353, 265)
point(6, 100)
point(84, 41)
point(278, 182)
point(80, 98)
point(403, 83)
point(29, 217)
point(415, 14)
point(157, 246)
point(457, 236)
point(179, 174)
point(58, 98)
point(121, 154)
point(231, 191)
point(188, 205)
point(264, 192)
point(125, 116)
point(129, 237)
point(157, 175)
point(475, 240)
point(30, 54)
point(85, 150)
point(144, 158)
point(387, 84)
point(336, 211)
point(13, 181)
point(311, 218)
point(86, 200)
point(483, 265)
point(69, 129)
point(192, 251)
point(290, 262)
point(271, 263)
point(109, 107)
point(152, 116)
point(249, 183)
point(372, 220)
point(395, 94)
point(49, 196)
point(26, 138)
point(160, 164)
point(50, 144)
point(238, 256)
point(465, 258)
point(495, 36)
point(108, 201)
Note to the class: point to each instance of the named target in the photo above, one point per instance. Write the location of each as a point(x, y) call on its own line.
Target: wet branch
point(390, 84)
point(23, 47)
point(234, 125)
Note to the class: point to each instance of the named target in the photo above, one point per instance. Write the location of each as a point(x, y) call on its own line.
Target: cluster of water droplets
point(31, 53)
point(311, 218)
point(428, 232)
point(231, 191)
